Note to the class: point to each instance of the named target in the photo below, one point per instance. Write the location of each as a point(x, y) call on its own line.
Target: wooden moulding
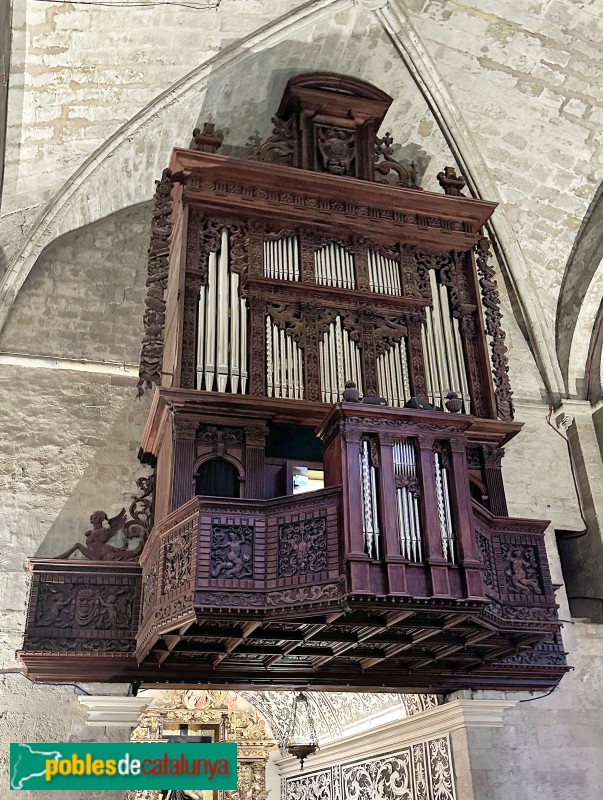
point(239, 188)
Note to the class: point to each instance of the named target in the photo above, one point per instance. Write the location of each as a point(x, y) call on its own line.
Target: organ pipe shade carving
point(222, 327)
point(392, 374)
point(445, 368)
point(384, 274)
point(281, 258)
point(284, 363)
point(339, 362)
point(334, 266)
point(442, 486)
point(407, 498)
point(370, 513)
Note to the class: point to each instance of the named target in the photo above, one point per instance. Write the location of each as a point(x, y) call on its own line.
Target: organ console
point(274, 282)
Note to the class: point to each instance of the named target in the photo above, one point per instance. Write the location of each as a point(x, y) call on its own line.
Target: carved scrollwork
point(288, 317)
point(384, 163)
point(151, 353)
point(280, 147)
point(231, 554)
point(302, 547)
point(388, 331)
point(212, 434)
point(491, 301)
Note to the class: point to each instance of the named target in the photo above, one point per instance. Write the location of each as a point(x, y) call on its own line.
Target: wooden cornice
point(235, 187)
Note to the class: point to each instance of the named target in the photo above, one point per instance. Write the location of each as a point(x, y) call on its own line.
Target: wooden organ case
point(315, 321)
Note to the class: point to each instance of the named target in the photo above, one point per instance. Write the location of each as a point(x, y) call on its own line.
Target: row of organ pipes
point(407, 499)
point(284, 363)
point(222, 358)
point(444, 360)
point(222, 327)
point(339, 362)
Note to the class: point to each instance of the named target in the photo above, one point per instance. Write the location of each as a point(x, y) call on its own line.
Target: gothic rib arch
point(579, 312)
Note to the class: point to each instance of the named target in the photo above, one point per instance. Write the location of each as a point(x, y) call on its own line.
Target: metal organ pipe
point(334, 266)
point(409, 513)
point(281, 258)
point(370, 516)
point(445, 368)
point(221, 327)
point(284, 363)
point(339, 362)
point(392, 374)
point(384, 274)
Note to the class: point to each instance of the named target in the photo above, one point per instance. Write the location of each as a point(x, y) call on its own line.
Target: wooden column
point(493, 480)
point(463, 519)
point(312, 376)
point(183, 461)
point(416, 362)
point(395, 563)
point(255, 453)
point(257, 346)
point(432, 538)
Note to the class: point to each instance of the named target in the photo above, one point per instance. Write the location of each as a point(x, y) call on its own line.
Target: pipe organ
point(278, 285)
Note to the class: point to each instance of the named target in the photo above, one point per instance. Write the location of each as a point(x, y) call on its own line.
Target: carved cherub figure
point(97, 538)
point(517, 573)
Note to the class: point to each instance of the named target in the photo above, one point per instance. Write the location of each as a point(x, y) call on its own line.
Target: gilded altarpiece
point(220, 716)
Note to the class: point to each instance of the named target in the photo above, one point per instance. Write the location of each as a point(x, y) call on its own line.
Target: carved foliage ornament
point(302, 547)
point(280, 147)
point(493, 317)
point(178, 558)
point(231, 551)
point(98, 545)
point(151, 353)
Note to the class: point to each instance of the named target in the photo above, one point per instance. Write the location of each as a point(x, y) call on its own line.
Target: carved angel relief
point(98, 545)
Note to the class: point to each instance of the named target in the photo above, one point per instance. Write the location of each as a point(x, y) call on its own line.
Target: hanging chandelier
point(301, 739)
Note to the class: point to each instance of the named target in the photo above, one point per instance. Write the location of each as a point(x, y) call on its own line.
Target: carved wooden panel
point(302, 547)
point(231, 554)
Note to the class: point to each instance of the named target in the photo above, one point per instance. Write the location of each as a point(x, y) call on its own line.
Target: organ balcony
point(331, 403)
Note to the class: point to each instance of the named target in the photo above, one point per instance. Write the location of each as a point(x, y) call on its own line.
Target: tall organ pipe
point(221, 327)
point(445, 368)
point(339, 362)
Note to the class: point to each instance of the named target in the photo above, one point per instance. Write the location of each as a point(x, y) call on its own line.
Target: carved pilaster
point(494, 481)
point(257, 309)
point(361, 263)
point(416, 361)
point(183, 460)
point(469, 330)
point(408, 270)
point(307, 247)
point(369, 354)
point(255, 451)
point(189, 332)
point(311, 356)
point(491, 301)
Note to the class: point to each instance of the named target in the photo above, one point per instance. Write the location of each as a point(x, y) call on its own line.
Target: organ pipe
point(445, 368)
point(409, 514)
point(334, 266)
point(339, 362)
point(284, 363)
point(221, 327)
point(392, 374)
point(281, 258)
point(370, 517)
point(384, 274)
point(442, 484)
